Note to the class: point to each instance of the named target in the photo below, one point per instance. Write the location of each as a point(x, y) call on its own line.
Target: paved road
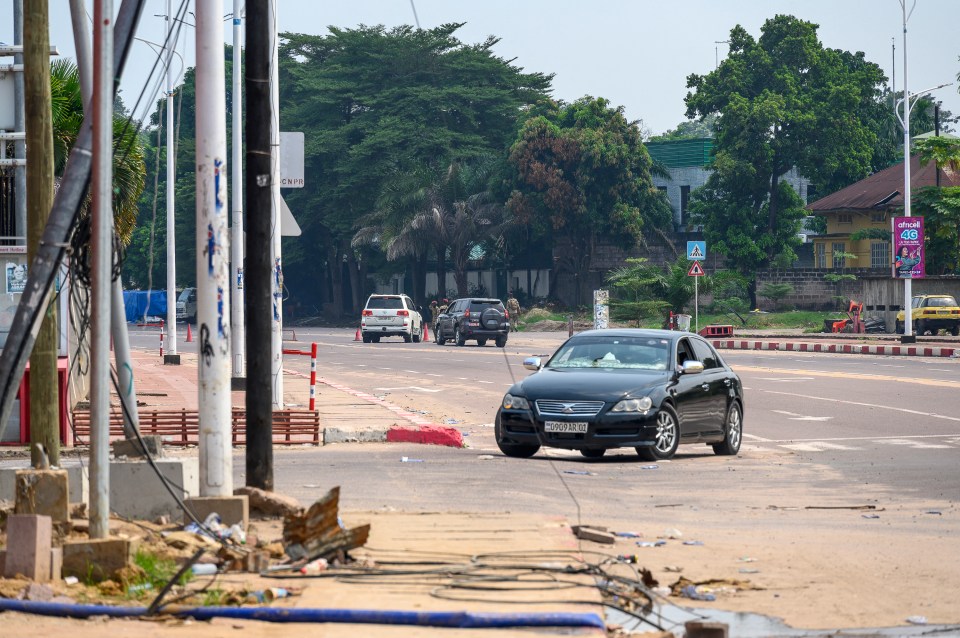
point(891, 421)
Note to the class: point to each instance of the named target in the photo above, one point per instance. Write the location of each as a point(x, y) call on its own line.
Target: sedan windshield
point(613, 352)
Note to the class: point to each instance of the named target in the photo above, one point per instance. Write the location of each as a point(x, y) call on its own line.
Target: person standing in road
point(513, 308)
point(434, 312)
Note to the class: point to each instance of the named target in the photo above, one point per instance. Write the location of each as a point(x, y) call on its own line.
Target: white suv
point(391, 316)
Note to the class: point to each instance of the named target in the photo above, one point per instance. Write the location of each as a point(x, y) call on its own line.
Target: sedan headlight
point(511, 402)
point(633, 405)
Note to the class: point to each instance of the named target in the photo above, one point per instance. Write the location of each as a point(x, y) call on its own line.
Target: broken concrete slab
point(137, 492)
point(267, 503)
point(594, 534)
point(318, 532)
point(43, 492)
point(98, 559)
point(133, 449)
point(77, 481)
point(29, 538)
point(233, 510)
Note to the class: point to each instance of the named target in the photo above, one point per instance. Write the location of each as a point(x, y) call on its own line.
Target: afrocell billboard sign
point(908, 248)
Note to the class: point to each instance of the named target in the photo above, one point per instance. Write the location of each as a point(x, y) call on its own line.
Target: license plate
point(577, 427)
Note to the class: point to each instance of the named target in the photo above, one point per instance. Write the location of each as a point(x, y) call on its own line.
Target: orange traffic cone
point(356, 337)
point(426, 333)
point(189, 333)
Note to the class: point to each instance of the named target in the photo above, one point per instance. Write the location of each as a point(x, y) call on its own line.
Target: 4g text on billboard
point(908, 248)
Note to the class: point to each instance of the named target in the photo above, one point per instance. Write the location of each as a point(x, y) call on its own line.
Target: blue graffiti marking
point(220, 327)
point(217, 165)
point(210, 249)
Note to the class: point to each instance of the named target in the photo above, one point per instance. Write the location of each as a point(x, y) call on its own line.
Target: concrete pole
point(236, 236)
point(102, 249)
point(276, 348)
point(213, 246)
point(171, 356)
point(19, 146)
point(81, 42)
point(121, 340)
point(908, 282)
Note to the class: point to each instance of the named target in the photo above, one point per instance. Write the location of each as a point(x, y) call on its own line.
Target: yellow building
point(868, 204)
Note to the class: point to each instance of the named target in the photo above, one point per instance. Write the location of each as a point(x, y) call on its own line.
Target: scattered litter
point(672, 533)
point(749, 570)
point(71, 580)
point(662, 591)
point(842, 507)
point(670, 505)
point(452, 421)
point(486, 457)
point(213, 528)
point(628, 534)
point(938, 513)
point(407, 459)
point(267, 595)
point(747, 559)
point(311, 486)
point(691, 592)
point(134, 589)
point(650, 467)
point(697, 543)
point(676, 569)
point(917, 620)
point(580, 472)
point(315, 566)
point(204, 569)
point(628, 558)
point(870, 515)
point(651, 543)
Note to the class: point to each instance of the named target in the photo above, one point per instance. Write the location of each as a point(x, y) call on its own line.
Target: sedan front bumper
point(606, 430)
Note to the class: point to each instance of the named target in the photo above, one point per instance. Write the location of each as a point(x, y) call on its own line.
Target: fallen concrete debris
point(319, 533)
point(269, 504)
point(594, 533)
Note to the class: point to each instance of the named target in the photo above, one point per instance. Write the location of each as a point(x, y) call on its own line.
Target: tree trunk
point(336, 281)
point(752, 292)
point(441, 270)
point(356, 285)
point(460, 277)
point(420, 278)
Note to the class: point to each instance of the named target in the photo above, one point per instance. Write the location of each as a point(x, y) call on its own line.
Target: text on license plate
point(578, 427)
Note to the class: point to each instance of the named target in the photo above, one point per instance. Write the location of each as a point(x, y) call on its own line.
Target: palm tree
point(129, 170)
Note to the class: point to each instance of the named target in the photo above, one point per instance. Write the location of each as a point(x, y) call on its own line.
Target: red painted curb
point(426, 434)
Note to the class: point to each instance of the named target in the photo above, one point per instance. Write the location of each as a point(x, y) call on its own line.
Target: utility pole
point(118, 325)
point(236, 181)
point(258, 292)
point(171, 356)
point(213, 244)
point(275, 252)
point(907, 282)
point(44, 394)
point(102, 253)
point(19, 146)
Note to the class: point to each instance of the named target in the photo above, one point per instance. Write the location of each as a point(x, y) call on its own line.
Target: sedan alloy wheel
point(667, 438)
point(733, 432)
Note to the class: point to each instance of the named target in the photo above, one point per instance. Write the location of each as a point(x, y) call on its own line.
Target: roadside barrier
point(313, 369)
point(291, 332)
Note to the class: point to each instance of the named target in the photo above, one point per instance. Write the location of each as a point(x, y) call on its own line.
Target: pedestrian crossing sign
point(696, 270)
point(696, 250)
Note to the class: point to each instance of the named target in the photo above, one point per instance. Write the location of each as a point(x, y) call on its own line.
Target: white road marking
point(430, 374)
point(756, 438)
point(412, 371)
point(920, 445)
point(484, 381)
point(410, 387)
point(818, 447)
point(866, 405)
point(799, 417)
point(787, 379)
point(940, 370)
point(384, 368)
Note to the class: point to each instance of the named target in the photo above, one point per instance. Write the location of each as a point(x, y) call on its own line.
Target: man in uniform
point(513, 308)
point(434, 312)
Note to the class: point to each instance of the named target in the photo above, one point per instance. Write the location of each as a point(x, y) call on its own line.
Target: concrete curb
point(421, 430)
point(835, 348)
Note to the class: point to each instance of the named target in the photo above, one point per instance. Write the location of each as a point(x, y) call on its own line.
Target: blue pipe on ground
point(458, 619)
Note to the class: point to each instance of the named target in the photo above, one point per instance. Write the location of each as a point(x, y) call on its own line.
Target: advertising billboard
point(908, 248)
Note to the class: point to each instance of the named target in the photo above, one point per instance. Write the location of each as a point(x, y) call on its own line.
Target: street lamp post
point(908, 102)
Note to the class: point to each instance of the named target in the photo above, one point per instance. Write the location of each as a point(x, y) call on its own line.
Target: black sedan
point(647, 389)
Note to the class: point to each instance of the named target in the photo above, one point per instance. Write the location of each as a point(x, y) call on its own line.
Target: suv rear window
point(384, 303)
point(481, 305)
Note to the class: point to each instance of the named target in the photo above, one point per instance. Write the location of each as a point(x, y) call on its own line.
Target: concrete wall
point(540, 283)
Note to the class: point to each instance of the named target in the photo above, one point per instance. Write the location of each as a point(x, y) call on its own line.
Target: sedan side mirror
point(533, 363)
point(691, 367)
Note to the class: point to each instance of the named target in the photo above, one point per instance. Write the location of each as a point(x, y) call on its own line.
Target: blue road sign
point(696, 250)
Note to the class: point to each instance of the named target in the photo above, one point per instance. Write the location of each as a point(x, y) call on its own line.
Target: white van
point(391, 316)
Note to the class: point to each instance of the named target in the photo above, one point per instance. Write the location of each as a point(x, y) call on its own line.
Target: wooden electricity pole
point(44, 395)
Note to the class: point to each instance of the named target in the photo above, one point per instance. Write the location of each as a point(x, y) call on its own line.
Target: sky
point(635, 53)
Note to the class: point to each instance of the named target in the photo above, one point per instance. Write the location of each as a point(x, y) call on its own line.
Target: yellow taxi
point(931, 313)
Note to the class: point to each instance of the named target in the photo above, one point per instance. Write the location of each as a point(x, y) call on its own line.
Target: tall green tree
point(128, 166)
point(374, 103)
point(784, 101)
point(581, 172)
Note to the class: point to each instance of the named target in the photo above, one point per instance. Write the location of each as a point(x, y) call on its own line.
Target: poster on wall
point(908, 248)
point(16, 277)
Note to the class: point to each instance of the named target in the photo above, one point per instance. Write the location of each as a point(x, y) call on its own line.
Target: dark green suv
point(473, 319)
